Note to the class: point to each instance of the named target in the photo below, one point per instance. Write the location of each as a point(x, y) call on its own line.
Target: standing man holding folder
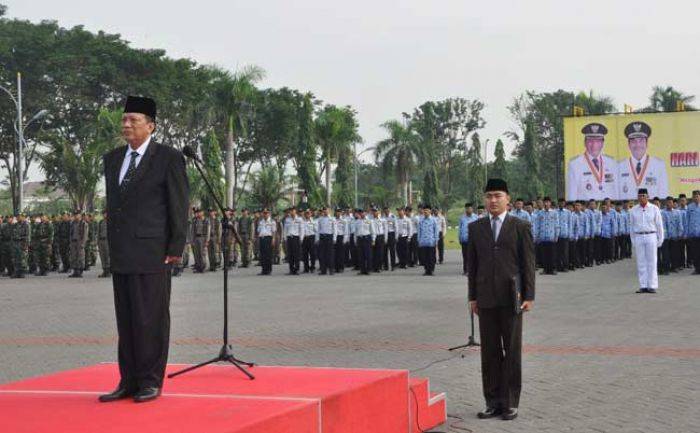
point(501, 257)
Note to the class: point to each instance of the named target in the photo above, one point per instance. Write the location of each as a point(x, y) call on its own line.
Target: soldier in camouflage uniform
point(55, 249)
point(32, 220)
point(42, 242)
point(245, 231)
point(91, 244)
point(182, 264)
point(79, 232)
point(228, 246)
point(7, 245)
point(277, 248)
point(21, 238)
point(200, 240)
point(214, 241)
point(3, 252)
point(64, 241)
point(103, 245)
point(256, 239)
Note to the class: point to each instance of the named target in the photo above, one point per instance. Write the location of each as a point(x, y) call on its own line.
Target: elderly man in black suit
point(501, 257)
point(147, 202)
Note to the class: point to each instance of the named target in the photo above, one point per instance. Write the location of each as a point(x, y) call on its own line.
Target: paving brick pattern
point(598, 358)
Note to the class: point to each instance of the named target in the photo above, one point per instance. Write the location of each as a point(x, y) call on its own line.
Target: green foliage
point(343, 187)
point(498, 168)
point(666, 99)
point(268, 188)
point(213, 168)
point(532, 185)
point(476, 173)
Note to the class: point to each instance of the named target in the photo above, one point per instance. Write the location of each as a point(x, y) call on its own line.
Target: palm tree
point(399, 151)
point(335, 130)
point(268, 187)
point(666, 99)
point(234, 95)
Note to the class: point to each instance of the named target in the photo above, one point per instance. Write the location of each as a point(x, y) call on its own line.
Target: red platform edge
point(218, 399)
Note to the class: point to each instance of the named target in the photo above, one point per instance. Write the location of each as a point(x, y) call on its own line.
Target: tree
point(399, 153)
point(499, 167)
point(235, 95)
point(335, 130)
point(475, 170)
point(268, 188)
point(78, 169)
point(532, 184)
point(667, 98)
point(343, 185)
point(213, 168)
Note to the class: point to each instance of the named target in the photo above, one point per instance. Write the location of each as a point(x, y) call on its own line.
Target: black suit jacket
point(148, 220)
point(492, 265)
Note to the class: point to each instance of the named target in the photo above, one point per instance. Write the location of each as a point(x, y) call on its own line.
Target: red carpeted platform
point(218, 399)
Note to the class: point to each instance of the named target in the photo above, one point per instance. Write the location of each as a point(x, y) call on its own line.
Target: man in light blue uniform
point(693, 230)
point(467, 218)
point(683, 209)
point(520, 212)
point(546, 233)
point(428, 235)
point(562, 256)
point(573, 236)
point(608, 231)
point(673, 226)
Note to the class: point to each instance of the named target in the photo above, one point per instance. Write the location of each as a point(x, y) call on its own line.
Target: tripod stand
point(226, 352)
point(470, 340)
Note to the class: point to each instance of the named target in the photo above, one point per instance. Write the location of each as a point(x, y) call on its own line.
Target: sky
point(387, 57)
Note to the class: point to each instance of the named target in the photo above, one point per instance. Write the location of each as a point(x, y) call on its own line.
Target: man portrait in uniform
point(641, 170)
point(147, 201)
point(592, 175)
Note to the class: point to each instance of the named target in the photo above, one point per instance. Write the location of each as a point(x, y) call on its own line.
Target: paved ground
point(598, 357)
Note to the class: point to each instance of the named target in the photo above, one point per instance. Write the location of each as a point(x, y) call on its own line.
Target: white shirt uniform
point(442, 224)
point(652, 176)
point(585, 182)
point(267, 227)
point(292, 226)
point(364, 227)
point(380, 228)
point(647, 234)
point(308, 228)
point(342, 229)
point(325, 225)
point(404, 227)
point(415, 219)
point(390, 223)
point(127, 159)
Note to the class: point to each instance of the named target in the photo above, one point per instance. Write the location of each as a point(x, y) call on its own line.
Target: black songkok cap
point(496, 185)
point(642, 191)
point(138, 104)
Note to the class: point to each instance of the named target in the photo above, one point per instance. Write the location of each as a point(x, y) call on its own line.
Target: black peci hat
point(138, 104)
point(496, 184)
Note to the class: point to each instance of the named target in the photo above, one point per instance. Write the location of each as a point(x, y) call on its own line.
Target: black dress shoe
point(490, 412)
point(509, 414)
point(117, 394)
point(642, 290)
point(147, 394)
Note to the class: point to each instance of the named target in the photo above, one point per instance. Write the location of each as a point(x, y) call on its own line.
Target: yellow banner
point(614, 155)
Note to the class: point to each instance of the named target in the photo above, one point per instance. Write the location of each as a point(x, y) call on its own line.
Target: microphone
point(189, 152)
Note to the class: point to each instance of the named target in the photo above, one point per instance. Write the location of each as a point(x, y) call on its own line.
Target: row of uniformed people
point(368, 241)
point(43, 243)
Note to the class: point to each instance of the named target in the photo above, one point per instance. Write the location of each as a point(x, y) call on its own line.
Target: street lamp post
point(19, 128)
point(357, 156)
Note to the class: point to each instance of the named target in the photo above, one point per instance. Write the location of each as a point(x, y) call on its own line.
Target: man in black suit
point(147, 202)
point(501, 278)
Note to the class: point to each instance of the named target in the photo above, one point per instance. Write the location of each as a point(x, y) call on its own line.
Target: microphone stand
point(226, 352)
point(470, 340)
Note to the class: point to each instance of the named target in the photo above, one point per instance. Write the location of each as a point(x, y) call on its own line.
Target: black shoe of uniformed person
point(118, 394)
point(147, 394)
point(642, 290)
point(509, 414)
point(490, 412)
point(176, 272)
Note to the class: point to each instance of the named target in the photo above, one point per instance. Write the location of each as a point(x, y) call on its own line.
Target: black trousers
point(142, 305)
point(501, 333)
point(364, 253)
point(606, 249)
point(390, 251)
point(402, 251)
point(339, 254)
point(675, 247)
point(664, 257)
point(441, 248)
point(465, 260)
point(591, 251)
point(293, 253)
point(308, 253)
point(685, 248)
point(413, 256)
point(352, 253)
point(378, 253)
point(598, 249)
point(266, 254)
point(325, 253)
point(428, 259)
point(582, 253)
point(548, 249)
point(694, 250)
point(573, 254)
point(562, 257)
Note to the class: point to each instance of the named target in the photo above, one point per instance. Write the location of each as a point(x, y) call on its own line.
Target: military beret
point(594, 130)
point(637, 129)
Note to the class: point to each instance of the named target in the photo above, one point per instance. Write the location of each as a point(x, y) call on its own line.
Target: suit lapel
point(112, 171)
point(486, 228)
point(506, 228)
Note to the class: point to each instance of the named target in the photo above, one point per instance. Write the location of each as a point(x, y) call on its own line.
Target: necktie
point(494, 228)
point(129, 171)
point(639, 167)
point(596, 163)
